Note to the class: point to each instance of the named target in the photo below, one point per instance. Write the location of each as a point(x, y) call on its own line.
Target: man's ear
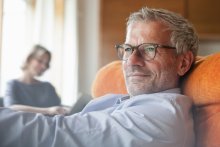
point(185, 62)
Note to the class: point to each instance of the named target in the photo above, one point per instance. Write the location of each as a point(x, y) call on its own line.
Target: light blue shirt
point(150, 120)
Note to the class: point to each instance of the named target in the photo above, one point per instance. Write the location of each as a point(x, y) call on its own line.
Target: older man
point(160, 47)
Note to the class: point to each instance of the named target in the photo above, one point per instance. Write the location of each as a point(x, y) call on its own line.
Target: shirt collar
point(126, 97)
point(174, 90)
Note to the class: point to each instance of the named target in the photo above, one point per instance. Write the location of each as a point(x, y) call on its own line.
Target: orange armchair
point(202, 84)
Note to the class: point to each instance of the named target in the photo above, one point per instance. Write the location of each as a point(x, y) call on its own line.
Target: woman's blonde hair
point(33, 54)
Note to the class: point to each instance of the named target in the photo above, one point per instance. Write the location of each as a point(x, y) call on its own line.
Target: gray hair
point(183, 35)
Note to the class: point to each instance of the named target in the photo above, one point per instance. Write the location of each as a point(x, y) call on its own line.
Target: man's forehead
point(148, 32)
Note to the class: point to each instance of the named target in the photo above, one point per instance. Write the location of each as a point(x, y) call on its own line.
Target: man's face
point(156, 75)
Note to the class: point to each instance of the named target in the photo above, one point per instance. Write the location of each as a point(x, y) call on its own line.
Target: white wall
point(89, 12)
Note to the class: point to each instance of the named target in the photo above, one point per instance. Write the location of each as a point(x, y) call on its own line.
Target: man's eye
point(149, 49)
point(128, 49)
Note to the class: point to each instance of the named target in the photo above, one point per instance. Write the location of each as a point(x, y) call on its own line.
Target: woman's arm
point(10, 97)
point(54, 110)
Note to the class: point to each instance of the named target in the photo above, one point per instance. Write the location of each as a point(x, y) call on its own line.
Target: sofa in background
point(202, 84)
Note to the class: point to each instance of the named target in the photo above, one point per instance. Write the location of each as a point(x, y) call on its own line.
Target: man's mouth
point(138, 75)
point(138, 78)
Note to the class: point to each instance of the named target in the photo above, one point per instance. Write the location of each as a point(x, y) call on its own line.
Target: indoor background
point(81, 35)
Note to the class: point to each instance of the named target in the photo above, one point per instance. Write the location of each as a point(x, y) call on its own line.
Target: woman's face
point(38, 64)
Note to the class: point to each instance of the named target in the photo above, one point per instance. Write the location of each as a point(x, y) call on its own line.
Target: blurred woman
point(29, 94)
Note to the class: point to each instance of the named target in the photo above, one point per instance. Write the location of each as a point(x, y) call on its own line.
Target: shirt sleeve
point(10, 94)
point(130, 127)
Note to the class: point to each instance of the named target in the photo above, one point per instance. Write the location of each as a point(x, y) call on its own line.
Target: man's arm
point(134, 126)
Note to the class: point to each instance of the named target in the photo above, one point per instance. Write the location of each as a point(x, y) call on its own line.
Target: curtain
point(1, 10)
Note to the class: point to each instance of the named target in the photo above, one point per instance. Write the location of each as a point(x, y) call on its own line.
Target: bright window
point(51, 24)
point(13, 40)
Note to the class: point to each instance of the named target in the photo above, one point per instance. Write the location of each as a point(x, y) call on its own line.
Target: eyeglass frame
point(155, 45)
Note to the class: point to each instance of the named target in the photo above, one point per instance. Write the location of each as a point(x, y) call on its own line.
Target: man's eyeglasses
point(147, 50)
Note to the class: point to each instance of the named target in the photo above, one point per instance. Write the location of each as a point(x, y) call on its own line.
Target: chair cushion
point(203, 82)
point(109, 79)
point(203, 85)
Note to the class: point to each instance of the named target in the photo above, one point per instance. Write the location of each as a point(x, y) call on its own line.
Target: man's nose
point(135, 59)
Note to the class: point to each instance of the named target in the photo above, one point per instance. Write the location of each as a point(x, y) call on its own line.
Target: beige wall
point(88, 27)
point(207, 47)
